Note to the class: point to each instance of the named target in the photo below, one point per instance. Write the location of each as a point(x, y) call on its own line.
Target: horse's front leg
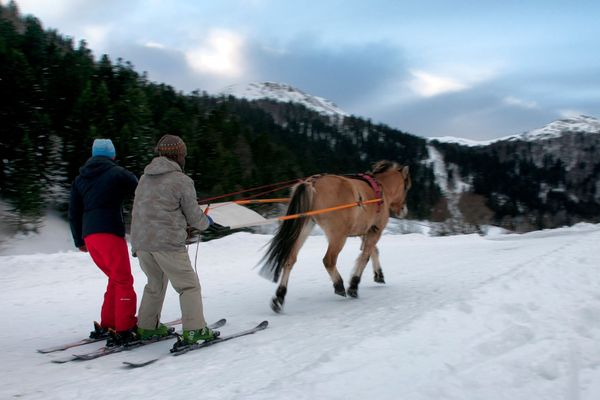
point(361, 262)
point(367, 249)
point(377, 271)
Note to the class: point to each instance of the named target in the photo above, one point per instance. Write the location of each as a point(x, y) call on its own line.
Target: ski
point(82, 342)
point(263, 325)
point(104, 351)
point(66, 346)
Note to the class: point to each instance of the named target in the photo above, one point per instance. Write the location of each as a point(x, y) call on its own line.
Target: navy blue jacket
point(97, 195)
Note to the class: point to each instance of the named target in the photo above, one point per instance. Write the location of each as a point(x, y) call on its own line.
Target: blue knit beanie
point(103, 147)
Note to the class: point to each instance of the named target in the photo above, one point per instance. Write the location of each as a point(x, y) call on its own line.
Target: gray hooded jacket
point(165, 204)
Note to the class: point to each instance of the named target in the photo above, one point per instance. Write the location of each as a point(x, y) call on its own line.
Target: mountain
point(62, 97)
point(460, 141)
point(283, 93)
point(544, 178)
point(263, 133)
point(579, 124)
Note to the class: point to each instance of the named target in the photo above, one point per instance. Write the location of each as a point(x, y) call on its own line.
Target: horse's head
point(396, 182)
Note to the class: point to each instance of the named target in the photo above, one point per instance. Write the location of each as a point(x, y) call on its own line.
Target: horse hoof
point(276, 305)
point(339, 289)
point(353, 292)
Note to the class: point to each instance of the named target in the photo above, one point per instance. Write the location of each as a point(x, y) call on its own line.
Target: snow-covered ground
point(53, 236)
point(461, 317)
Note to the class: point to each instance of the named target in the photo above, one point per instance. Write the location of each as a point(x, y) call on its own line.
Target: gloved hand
point(217, 228)
point(83, 248)
point(192, 235)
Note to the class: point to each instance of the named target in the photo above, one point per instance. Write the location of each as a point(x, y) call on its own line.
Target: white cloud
point(428, 85)
point(445, 77)
point(517, 102)
point(44, 9)
point(154, 45)
point(96, 35)
point(220, 54)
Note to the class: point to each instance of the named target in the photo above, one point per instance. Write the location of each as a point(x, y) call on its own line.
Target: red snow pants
point(110, 254)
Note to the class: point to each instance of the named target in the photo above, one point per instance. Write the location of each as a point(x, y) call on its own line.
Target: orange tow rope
point(280, 186)
point(262, 201)
point(305, 214)
point(325, 210)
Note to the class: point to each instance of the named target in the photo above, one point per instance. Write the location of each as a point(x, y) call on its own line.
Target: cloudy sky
point(473, 69)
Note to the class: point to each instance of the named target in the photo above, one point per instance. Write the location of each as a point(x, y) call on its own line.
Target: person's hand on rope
point(217, 228)
point(192, 235)
point(213, 227)
point(210, 220)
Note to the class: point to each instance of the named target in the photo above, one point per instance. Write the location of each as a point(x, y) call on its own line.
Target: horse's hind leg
point(279, 299)
point(367, 249)
point(377, 272)
point(330, 261)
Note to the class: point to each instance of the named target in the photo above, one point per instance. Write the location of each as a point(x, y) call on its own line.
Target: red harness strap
point(376, 186)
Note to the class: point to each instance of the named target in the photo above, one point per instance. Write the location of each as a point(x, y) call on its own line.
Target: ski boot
point(99, 332)
point(191, 337)
point(122, 338)
point(154, 334)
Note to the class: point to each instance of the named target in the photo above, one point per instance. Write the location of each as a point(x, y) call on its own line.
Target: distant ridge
point(555, 129)
point(284, 93)
point(579, 124)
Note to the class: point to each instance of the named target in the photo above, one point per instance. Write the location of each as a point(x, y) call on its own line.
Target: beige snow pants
point(161, 267)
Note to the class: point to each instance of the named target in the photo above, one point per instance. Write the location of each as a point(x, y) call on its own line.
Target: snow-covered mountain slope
point(461, 141)
point(284, 93)
point(460, 317)
point(555, 129)
point(579, 124)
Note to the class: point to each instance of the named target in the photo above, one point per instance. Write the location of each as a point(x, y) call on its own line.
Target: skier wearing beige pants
point(165, 205)
point(161, 267)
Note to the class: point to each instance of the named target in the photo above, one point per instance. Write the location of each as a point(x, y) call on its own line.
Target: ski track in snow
point(461, 317)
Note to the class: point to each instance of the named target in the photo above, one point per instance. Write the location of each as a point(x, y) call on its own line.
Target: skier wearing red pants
point(96, 219)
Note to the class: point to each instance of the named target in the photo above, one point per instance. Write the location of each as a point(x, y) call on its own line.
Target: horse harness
point(373, 183)
point(368, 178)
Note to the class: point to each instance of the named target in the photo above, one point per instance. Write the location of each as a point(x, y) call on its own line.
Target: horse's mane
point(383, 166)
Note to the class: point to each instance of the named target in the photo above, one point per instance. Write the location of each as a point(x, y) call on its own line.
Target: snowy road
point(461, 317)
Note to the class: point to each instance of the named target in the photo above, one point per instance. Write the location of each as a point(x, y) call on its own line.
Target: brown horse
point(387, 180)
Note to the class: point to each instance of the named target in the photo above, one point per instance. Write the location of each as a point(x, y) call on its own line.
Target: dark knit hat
point(171, 145)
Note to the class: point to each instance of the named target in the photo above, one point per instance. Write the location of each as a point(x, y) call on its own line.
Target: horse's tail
point(289, 233)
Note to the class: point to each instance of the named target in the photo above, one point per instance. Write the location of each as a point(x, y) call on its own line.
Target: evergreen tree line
point(56, 98)
point(514, 185)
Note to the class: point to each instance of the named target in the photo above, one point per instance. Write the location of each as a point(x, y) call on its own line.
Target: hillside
point(62, 97)
point(545, 178)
